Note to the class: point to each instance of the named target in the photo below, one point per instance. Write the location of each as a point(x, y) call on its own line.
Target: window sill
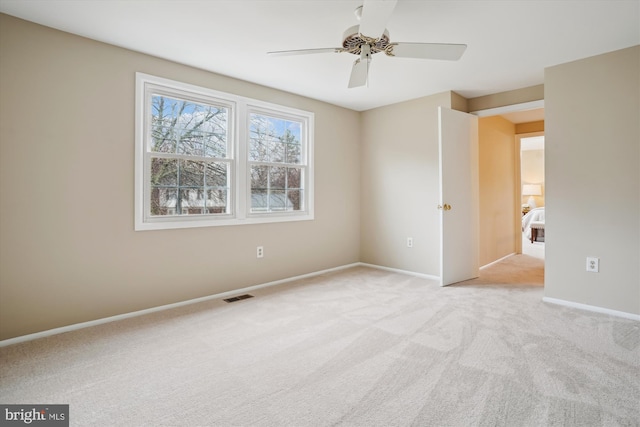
point(219, 222)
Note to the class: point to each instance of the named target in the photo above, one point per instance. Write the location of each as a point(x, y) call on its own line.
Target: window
point(188, 156)
point(206, 158)
point(275, 161)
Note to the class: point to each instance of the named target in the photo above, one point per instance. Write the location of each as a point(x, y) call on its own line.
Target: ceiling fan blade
point(305, 51)
point(359, 73)
point(443, 51)
point(375, 15)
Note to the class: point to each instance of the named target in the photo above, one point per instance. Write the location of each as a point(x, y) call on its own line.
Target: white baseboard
point(96, 322)
point(104, 320)
point(395, 270)
point(497, 261)
point(592, 308)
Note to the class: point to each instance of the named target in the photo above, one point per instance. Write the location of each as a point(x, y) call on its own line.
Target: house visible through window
point(206, 158)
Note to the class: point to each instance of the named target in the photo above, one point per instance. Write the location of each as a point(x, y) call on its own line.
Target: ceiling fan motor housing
point(353, 41)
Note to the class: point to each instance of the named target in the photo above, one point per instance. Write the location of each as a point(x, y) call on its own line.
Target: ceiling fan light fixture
point(352, 41)
point(371, 37)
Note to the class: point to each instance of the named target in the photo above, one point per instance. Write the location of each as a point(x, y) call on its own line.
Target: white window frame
point(240, 189)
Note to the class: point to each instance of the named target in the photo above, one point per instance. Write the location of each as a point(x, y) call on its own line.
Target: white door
point(459, 196)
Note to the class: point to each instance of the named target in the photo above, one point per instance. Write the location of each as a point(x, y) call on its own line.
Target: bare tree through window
point(188, 142)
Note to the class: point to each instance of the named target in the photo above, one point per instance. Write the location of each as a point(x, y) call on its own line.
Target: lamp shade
point(532, 190)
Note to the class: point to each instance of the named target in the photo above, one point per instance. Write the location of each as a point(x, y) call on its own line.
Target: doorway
point(501, 198)
point(532, 193)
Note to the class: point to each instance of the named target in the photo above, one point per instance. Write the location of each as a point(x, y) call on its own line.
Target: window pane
point(276, 151)
point(191, 143)
point(278, 177)
point(191, 202)
point(186, 187)
point(274, 140)
point(294, 200)
point(277, 200)
point(276, 188)
point(293, 154)
point(164, 172)
point(163, 139)
point(163, 201)
point(257, 150)
point(260, 136)
point(294, 178)
point(191, 173)
point(216, 174)
point(217, 201)
point(259, 200)
point(216, 146)
point(188, 128)
point(259, 177)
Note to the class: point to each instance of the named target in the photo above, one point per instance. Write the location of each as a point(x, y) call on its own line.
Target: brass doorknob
point(446, 207)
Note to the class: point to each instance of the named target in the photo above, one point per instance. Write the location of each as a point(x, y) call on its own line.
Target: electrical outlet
point(409, 242)
point(260, 252)
point(593, 265)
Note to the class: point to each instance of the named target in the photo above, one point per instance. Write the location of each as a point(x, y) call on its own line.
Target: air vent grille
point(238, 298)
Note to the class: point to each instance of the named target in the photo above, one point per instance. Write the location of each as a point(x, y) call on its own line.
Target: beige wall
point(593, 181)
point(459, 102)
point(497, 157)
point(68, 252)
point(502, 99)
point(530, 127)
point(400, 192)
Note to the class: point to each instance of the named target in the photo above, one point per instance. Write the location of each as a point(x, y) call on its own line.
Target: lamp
point(532, 190)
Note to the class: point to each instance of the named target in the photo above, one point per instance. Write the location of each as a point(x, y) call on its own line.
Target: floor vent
point(238, 298)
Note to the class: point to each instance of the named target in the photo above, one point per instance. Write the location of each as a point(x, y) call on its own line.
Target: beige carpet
point(517, 270)
point(360, 347)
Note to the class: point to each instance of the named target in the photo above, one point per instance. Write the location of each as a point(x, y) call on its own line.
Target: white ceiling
point(525, 116)
point(509, 42)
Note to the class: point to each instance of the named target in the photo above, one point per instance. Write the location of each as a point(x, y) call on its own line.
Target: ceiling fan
point(371, 37)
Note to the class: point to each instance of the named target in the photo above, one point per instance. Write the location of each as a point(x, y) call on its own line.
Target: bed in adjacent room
point(533, 225)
